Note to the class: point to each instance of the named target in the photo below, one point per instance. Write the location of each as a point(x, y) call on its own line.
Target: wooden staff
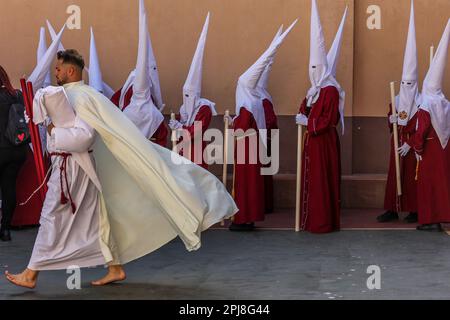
point(299, 178)
point(431, 54)
point(174, 135)
point(233, 191)
point(225, 152)
point(397, 156)
point(225, 148)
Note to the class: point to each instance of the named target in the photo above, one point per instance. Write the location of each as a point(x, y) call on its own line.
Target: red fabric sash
point(63, 175)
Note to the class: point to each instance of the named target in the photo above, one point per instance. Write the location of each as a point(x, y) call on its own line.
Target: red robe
point(271, 124)
point(116, 97)
point(408, 165)
point(248, 182)
point(433, 185)
point(160, 135)
point(321, 165)
point(204, 115)
point(27, 183)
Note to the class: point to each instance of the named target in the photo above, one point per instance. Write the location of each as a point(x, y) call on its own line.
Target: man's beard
point(61, 82)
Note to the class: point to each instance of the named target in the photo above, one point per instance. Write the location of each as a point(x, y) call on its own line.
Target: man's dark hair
point(71, 56)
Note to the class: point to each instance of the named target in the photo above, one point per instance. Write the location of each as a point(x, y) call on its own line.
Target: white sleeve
point(78, 139)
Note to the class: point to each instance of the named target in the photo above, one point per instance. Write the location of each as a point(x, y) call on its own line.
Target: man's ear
point(74, 71)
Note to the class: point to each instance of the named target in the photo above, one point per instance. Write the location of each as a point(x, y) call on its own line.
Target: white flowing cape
point(147, 198)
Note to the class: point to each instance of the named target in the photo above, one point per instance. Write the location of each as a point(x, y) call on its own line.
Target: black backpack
point(17, 132)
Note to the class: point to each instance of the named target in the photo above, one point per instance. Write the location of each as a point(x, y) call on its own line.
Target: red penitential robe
point(248, 181)
point(116, 97)
point(160, 135)
point(27, 183)
point(408, 164)
point(321, 165)
point(204, 116)
point(271, 124)
point(433, 185)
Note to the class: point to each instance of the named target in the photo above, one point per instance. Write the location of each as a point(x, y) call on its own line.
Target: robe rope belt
point(63, 174)
point(418, 164)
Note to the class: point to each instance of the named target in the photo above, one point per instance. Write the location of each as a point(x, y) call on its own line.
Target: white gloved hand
point(393, 119)
point(404, 149)
point(301, 119)
point(27, 118)
point(183, 115)
point(175, 125)
point(418, 157)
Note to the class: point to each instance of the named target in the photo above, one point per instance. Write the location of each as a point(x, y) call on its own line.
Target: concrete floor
point(260, 265)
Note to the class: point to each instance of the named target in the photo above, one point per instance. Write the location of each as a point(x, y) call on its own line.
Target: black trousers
point(11, 160)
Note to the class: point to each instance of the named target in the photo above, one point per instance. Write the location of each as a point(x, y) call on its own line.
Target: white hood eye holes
point(186, 95)
point(314, 67)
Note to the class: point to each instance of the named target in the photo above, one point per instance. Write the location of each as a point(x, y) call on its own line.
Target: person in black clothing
point(11, 157)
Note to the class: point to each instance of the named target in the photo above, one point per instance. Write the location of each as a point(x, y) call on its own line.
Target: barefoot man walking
point(127, 202)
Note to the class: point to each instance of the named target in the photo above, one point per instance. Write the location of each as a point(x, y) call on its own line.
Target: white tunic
point(65, 238)
point(147, 197)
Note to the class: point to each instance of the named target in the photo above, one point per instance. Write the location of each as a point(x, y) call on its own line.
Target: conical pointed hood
point(252, 76)
point(153, 68)
point(95, 73)
point(433, 81)
point(142, 111)
point(193, 82)
point(318, 53)
point(322, 67)
point(409, 97)
point(433, 99)
point(410, 59)
point(263, 83)
point(279, 33)
point(192, 88)
point(246, 93)
point(335, 50)
point(318, 64)
point(40, 72)
point(107, 90)
point(53, 35)
point(142, 77)
point(42, 48)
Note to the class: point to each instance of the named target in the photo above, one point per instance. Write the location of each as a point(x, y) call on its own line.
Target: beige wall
point(239, 31)
point(379, 53)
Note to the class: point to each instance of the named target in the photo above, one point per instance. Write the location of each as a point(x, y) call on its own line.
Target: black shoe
point(5, 235)
point(412, 218)
point(241, 227)
point(430, 227)
point(388, 216)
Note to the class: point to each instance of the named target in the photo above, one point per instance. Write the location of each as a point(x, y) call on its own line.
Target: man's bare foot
point(26, 279)
point(115, 274)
